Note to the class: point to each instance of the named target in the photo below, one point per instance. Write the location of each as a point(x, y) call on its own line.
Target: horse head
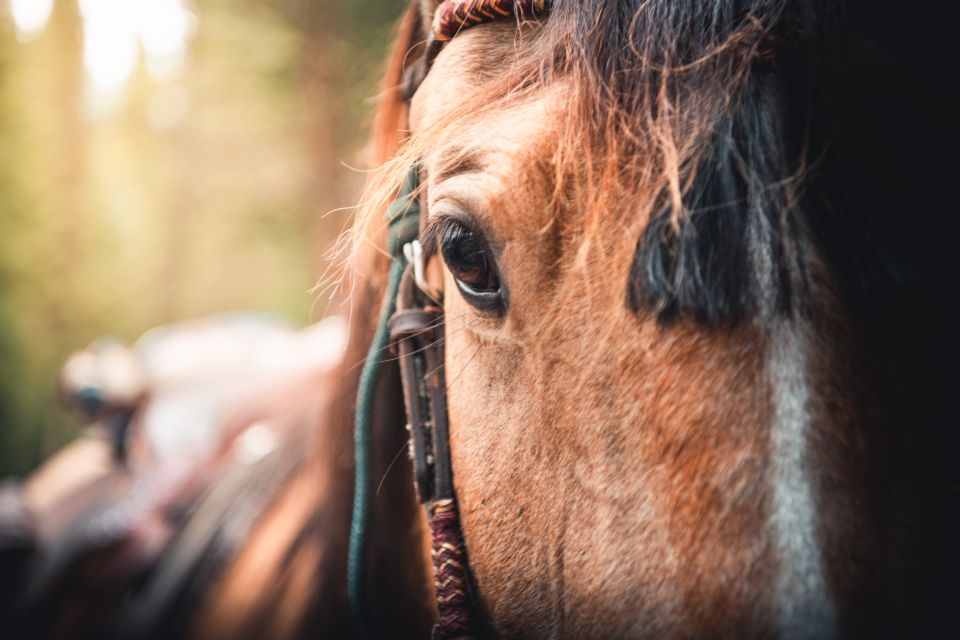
point(679, 263)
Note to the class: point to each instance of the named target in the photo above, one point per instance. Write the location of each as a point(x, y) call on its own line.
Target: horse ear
point(390, 119)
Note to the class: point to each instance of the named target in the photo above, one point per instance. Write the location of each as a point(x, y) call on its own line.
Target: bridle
point(411, 325)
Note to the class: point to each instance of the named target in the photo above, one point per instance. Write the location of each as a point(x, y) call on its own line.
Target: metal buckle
point(413, 251)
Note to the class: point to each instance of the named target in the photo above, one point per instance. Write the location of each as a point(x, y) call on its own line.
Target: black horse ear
point(415, 60)
point(413, 75)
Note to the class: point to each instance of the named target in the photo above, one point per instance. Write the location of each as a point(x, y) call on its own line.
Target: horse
point(685, 265)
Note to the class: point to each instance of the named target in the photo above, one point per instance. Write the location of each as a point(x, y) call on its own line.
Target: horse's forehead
point(509, 143)
point(466, 63)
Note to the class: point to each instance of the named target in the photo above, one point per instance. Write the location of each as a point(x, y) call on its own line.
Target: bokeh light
point(114, 34)
point(164, 160)
point(30, 17)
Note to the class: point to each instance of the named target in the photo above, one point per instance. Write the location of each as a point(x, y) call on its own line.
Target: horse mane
point(808, 123)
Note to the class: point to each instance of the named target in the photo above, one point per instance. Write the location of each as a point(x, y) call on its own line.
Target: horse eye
point(472, 266)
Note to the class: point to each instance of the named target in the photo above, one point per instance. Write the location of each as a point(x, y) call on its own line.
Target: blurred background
point(167, 159)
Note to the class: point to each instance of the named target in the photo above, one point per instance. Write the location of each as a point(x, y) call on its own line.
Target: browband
point(453, 16)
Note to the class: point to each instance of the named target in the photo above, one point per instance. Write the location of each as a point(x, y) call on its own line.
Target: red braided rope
point(454, 16)
point(450, 573)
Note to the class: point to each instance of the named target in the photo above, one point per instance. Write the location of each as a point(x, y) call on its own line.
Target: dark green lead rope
point(404, 226)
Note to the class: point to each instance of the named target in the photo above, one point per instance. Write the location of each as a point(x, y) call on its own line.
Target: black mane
point(831, 135)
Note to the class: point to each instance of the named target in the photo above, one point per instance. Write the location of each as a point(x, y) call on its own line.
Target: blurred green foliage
point(110, 225)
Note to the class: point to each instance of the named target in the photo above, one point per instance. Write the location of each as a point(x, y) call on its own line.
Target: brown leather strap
point(416, 334)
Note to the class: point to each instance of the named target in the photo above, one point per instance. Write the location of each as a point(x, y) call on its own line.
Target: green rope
point(404, 226)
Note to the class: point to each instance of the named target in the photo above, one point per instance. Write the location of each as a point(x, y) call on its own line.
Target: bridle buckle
point(414, 253)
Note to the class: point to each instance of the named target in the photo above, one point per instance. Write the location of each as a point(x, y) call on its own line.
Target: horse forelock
point(651, 92)
point(699, 125)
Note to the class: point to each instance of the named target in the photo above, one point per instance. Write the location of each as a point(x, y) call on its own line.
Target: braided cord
point(450, 573)
point(453, 16)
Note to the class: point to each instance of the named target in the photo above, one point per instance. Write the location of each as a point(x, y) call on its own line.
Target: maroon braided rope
point(453, 16)
point(450, 573)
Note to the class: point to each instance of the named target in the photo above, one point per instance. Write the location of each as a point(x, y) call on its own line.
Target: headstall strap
point(453, 16)
point(416, 335)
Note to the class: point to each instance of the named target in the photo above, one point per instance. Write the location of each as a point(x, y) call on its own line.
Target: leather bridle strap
point(416, 334)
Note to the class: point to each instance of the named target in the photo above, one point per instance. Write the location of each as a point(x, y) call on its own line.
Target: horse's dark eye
point(472, 266)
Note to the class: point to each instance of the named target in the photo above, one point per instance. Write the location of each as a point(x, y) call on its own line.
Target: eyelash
point(468, 257)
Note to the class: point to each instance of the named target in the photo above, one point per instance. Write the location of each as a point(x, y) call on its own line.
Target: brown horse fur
point(715, 404)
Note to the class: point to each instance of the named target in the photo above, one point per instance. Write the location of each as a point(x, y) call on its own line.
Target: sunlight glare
point(115, 30)
point(30, 17)
point(109, 42)
point(165, 29)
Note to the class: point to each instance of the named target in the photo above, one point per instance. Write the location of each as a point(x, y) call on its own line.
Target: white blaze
point(805, 607)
